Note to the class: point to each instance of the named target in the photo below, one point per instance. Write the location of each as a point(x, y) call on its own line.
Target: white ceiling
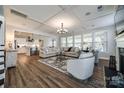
point(49, 17)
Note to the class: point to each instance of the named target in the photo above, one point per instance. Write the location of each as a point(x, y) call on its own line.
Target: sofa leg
point(70, 75)
point(96, 64)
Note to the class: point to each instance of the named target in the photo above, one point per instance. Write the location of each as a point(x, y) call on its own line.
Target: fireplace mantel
point(119, 44)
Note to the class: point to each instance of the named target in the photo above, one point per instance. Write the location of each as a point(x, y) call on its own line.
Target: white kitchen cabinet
point(11, 58)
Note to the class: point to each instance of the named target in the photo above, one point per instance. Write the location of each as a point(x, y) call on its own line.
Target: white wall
point(44, 36)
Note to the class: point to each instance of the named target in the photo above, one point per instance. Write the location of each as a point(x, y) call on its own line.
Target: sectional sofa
point(53, 51)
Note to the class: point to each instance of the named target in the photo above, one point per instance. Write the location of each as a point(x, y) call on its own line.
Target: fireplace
point(121, 60)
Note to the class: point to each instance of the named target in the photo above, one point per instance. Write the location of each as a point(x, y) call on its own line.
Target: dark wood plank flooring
point(29, 73)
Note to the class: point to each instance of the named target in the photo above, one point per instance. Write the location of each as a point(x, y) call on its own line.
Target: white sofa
point(73, 52)
point(48, 52)
point(81, 68)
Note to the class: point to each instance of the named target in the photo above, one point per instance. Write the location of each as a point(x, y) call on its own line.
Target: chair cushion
point(86, 55)
point(76, 49)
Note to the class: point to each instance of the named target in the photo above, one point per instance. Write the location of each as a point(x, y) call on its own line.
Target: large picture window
point(77, 41)
point(95, 40)
point(63, 42)
point(87, 41)
point(70, 41)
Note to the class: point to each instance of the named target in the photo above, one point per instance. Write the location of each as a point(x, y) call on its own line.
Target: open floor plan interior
point(61, 46)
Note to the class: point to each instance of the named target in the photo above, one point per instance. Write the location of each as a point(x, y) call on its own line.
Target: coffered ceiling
point(48, 18)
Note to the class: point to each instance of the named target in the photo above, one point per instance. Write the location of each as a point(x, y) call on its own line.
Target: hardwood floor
point(29, 73)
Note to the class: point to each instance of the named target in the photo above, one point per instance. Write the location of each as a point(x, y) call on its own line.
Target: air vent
point(18, 13)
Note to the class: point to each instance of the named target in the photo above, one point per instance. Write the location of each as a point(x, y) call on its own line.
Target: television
point(119, 20)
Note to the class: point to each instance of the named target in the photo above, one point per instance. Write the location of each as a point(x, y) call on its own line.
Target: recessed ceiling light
point(88, 13)
point(92, 25)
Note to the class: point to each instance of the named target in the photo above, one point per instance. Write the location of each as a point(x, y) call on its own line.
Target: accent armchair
point(81, 68)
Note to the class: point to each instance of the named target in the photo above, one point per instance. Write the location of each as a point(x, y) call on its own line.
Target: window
point(87, 41)
point(100, 41)
point(63, 42)
point(54, 43)
point(77, 41)
point(70, 41)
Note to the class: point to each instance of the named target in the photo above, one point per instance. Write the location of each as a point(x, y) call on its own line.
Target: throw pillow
point(69, 49)
point(72, 49)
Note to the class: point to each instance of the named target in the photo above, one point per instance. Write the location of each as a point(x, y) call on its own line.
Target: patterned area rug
point(58, 62)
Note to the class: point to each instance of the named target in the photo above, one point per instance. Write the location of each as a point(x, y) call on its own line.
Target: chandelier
point(62, 30)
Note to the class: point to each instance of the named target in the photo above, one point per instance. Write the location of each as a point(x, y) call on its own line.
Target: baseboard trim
point(104, 58)
point(47, 57)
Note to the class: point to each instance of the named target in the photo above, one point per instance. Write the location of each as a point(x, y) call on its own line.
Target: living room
point(72, 42)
